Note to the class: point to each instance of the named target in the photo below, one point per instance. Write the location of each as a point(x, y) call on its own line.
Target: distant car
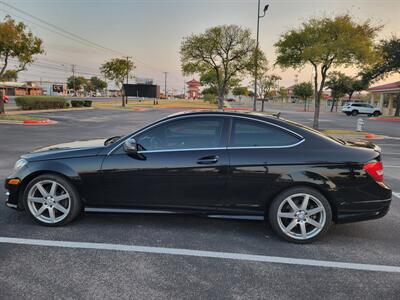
point(230, 100)
point(218, 164)
point(353, 109)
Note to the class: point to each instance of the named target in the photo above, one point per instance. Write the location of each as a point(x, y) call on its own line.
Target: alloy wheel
point(301, 216)
point(49, 201)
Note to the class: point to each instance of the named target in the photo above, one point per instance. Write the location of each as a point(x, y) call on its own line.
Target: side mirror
point(130, 146)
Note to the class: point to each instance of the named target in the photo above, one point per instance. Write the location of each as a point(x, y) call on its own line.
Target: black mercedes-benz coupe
point(218, 164)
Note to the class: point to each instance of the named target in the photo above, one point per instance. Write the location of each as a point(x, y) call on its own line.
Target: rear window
point(247, 133)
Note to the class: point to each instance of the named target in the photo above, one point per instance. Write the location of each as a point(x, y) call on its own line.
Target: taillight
point(375, 169)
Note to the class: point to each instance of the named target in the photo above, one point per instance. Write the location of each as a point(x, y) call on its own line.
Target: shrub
point(87, 103)
point(40, 102)
point(81, 103)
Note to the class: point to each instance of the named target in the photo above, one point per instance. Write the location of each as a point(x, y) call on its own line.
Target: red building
point(193, 89)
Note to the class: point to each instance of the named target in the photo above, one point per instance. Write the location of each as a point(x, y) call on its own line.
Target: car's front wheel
point(354, 113)
point(52, 200)
point(300, 215)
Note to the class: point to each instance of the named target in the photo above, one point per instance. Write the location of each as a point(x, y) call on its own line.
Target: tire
point(354, 113)
point(282, 215)
point(376, 113)
point(52, 200)
point(348, 114)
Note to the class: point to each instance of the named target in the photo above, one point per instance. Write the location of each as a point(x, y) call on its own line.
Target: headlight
point(19, 164)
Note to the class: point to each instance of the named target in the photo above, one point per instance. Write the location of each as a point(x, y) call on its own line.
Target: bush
point(87, 103)
point(81, 103)
point(40, 102)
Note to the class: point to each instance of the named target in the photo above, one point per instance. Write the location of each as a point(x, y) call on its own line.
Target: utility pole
point(256, 53)
point(73, 79)
point(165, 84)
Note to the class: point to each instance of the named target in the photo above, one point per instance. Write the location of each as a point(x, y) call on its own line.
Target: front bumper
point(12, 196)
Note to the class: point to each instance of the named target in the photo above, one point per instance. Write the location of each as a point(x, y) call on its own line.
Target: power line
point(61, 29)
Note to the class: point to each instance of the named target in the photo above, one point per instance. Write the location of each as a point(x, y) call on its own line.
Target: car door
point(258, 154)
point(182, 163)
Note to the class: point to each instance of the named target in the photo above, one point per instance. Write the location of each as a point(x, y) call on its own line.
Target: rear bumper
point(362, 211)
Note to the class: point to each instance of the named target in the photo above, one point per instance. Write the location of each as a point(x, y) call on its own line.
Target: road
point(105, 261)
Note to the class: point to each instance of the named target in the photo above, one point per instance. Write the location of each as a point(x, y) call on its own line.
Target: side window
point(252, 134)
point(199, 132)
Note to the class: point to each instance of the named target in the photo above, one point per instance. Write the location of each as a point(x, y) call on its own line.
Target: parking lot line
point(201, 253)
point(396, 194)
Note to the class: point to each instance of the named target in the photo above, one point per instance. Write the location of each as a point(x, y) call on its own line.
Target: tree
point(17, 43)
point(9, 75)
point(339, 84)
point(303, 90)
point(356, 85)
point(96, 84)
point(283, 92)
point(77, 83)
point(387, 64)
point(325, 43)
point(116, 70)
point(240, 91)
point(210, 81)
point(225, 50)
point(267, 83)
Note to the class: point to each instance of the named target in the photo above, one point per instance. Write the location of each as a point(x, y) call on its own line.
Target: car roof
point(242, 113)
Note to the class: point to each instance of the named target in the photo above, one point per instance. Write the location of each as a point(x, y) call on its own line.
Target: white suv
point(353, 109)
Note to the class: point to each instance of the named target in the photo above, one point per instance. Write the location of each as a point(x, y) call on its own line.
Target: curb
point(385, 119)
point(39, 122)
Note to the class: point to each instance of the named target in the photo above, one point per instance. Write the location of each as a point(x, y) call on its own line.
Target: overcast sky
point(151, 30)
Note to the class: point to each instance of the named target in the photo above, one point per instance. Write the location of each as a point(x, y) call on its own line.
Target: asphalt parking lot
point(185, 257)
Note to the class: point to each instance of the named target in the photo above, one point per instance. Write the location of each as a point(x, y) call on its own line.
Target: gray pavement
point(29, 271)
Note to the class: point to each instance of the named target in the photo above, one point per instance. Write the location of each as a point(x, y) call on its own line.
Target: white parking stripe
point(200, 253)
point(396, 194)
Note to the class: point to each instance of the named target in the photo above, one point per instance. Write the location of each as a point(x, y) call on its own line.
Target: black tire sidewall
point(76, 204)
point(354, 113)
point(273, 211)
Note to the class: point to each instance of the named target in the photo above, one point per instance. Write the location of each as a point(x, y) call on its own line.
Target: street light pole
point(256, 53)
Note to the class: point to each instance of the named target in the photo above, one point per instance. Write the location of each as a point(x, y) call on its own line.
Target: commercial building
point(19, 89)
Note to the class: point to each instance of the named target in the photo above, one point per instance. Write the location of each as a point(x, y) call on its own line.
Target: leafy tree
point(96, 84)
point(283, 92)
point(17, 43)
point(240, 91)
point(356, 85)
point(210, 81)
point(225, 50)
point(116, 70)
point(77, 83)
point(339, 85)
point(325, 43)
point(303, 90)
point(267, 83)
point(387, 64)
point(9, 75)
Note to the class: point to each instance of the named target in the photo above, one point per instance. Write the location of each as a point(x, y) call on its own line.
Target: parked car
point(217, 164)
point(353, 109)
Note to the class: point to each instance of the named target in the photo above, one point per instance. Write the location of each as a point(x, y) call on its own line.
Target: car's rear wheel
point(300, 215)
point(52, 200)
point(354, 113)
point(376, 113)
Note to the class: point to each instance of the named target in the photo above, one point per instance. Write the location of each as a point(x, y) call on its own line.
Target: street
point(101, 265)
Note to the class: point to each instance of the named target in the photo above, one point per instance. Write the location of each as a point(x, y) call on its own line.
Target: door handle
point(208, 160)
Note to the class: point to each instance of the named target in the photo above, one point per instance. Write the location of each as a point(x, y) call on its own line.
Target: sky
point(151, 31)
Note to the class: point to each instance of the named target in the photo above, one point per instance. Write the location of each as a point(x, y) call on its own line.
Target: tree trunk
point(317, 98)
point(221, 94)
point(305, 104)
point(397, 112)
point(123, 97)
point(2, 111)
point(333, 103)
